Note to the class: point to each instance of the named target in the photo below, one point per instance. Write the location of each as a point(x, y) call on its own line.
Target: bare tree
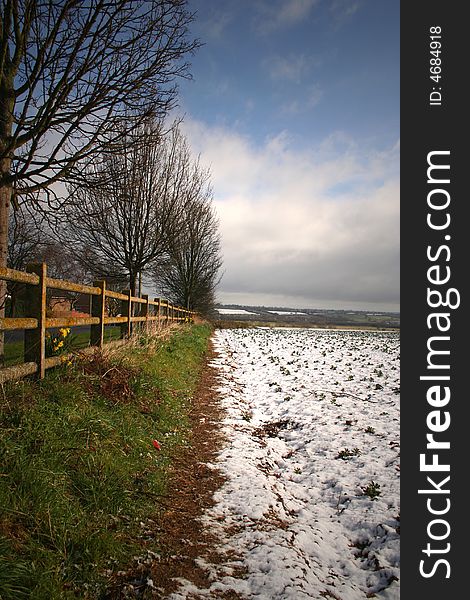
point(24, 245)
point(31, 240)
point(120, 221)
point(24, 239)
point(70, 72)
point(190, 272)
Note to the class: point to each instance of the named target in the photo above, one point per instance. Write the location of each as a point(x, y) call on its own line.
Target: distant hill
point(232, 314)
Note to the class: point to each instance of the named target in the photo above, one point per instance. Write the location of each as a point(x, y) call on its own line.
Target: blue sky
point(294, 105)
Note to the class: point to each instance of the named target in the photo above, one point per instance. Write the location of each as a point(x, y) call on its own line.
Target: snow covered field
point(310, 508)
point(234, 311)
point(286, 312)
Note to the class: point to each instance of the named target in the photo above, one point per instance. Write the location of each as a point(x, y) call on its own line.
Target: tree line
point(142, 216)
point(93, 179)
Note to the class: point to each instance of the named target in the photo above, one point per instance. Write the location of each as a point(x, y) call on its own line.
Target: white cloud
point(312, 97)
point(273, 15)
point(343, 10)
point(319, 226)
point(220, 18)
point(292, 68)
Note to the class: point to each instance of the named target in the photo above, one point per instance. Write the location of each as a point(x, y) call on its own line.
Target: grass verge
point(85, 456)
point(14, 350)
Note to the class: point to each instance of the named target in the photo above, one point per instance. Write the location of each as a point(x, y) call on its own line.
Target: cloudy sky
point(294, 105)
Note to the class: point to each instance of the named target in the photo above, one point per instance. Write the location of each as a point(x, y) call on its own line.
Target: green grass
point(14, 351)
point(79, 469)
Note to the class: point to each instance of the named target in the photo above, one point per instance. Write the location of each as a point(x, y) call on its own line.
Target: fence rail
point(133, 309)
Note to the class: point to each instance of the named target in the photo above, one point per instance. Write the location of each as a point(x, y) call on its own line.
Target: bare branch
point(190, 272)
point(123, 216)
point(78, 69)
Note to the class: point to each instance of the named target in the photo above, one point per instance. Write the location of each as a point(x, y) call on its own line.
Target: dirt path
point(182, 539)
point(181, 536)
point(192, 485)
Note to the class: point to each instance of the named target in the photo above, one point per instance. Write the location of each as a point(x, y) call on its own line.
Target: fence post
point(157, 300)
point(126, 311)
point(35, 339)
point(98, 309)
point(145, 311)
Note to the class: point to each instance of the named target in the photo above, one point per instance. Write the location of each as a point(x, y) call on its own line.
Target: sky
point(294, 107)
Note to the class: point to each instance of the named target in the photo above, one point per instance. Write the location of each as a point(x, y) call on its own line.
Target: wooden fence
point(35, 327)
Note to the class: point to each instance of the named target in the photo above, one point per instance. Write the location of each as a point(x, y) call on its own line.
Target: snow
point(286, 312)
point(234, 311)
point(310, 507)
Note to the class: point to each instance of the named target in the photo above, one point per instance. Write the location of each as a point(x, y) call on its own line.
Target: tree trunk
point(132, 287)
point(14, 292)
point(132, 283)
point(7, 100)
point(5, 196)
